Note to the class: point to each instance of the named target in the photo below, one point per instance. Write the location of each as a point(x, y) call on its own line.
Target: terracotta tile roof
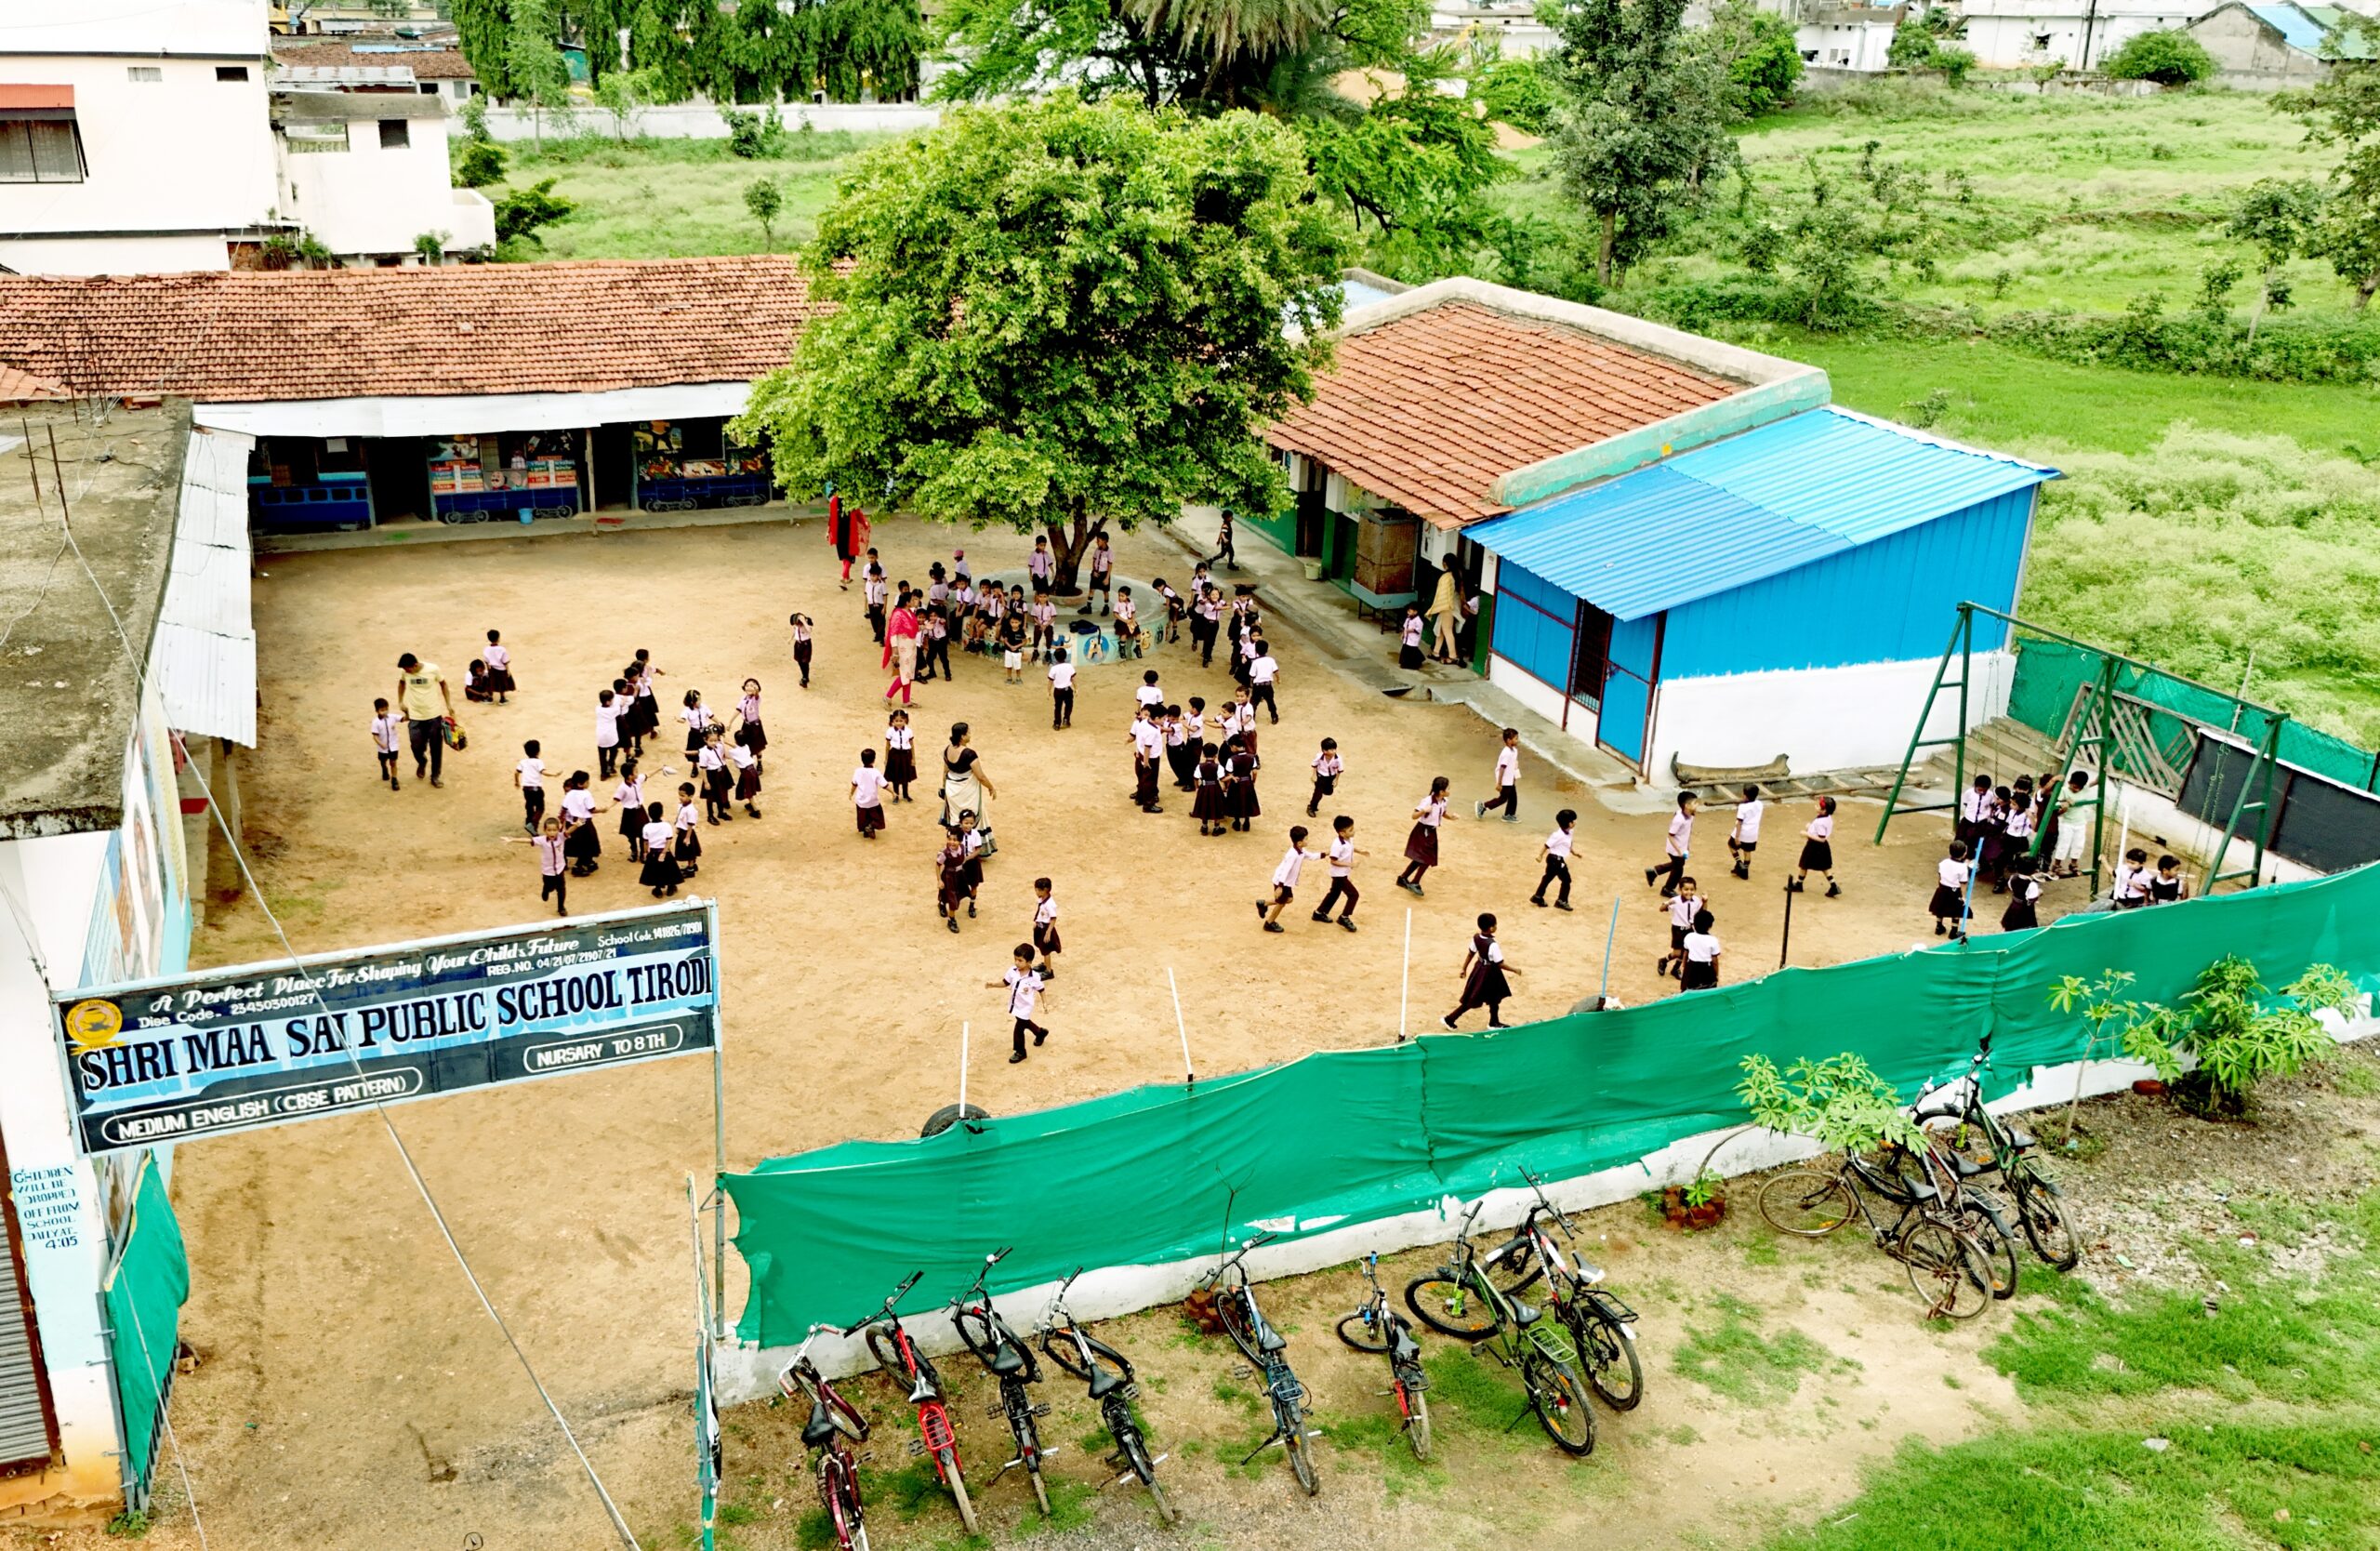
point(427, 65)
point(239, 337)
point(1428, 410)
point(17, 386)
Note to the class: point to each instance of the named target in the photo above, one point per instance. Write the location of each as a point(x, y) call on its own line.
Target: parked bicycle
point(833, 1427)
point(1458, 1300)
point(1947, 1265)
point(1010, 1360)
point(1979, 1211)
point(1264, 1347)
point(1376, 1327)
point(1985, 1143)
point(1597, 1321)
point(1110, 1378)
point(937, 1438)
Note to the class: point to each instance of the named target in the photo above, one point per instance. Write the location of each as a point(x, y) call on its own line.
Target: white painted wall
point(172, 163)
point(1860, 45)
point(701, 121)
point(366, 200)
point(1820, 719)
point(749, 1372)
point(2008, 34)
point(56, 879)
point(1542, 699)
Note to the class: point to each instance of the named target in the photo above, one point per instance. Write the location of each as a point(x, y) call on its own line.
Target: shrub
point(2169, 56)
point(1518, 92)
point(2236, 1038)
point(1762, 245)
point(478, 163)
point(519, 213)
point(1839, 1103)
point(754, 136)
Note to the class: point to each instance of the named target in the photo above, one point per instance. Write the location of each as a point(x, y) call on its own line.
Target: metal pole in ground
point(1189, 1077)
point(963, 1071)
point(719, 1133)
point(1611, 934)
point(1405, 977)
point(1786, 941)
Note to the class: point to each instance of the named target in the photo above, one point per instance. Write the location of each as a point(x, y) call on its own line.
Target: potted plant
point(1698, 1204)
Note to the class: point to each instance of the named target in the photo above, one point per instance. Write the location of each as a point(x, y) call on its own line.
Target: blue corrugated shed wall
point(1886, 601)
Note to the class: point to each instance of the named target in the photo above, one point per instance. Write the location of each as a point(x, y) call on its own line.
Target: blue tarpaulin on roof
point(1722, 516)
point(2300, 29)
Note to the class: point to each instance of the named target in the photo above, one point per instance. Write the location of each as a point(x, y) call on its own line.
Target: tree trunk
point(2257, 313)
point(1602, 255)
point(1069, 544)
point(2364, 289)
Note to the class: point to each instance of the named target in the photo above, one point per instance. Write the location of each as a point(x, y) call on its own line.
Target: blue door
point(1628, 687)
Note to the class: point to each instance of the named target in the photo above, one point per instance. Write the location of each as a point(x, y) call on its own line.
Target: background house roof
point(457, 329)
point(427, 65)
point(1428, 409)
point(1725, 515)
point(331, 106)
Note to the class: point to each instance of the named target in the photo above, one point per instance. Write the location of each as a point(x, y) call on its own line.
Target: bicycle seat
point(1104, 1383)
point(1968, 1168)
point(2019, 1140)
point(1402, 1348)
point(1920, 1192)
point(1523, 1314)
point(1270, 1340)
point(1007, 1359)
point(819, 1431)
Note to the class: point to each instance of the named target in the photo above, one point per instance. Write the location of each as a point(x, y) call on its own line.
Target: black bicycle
point(1459, 1299)
point(1263, 1348)
point(1597, 1321)
point(1948, 1266)
point(1981, 1143)
point(833, 1420)
point(1377, 1328)
point(1109, 1375)
point(1010, 1360)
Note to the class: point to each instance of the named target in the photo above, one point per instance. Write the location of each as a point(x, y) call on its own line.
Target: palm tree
point(1228, 31)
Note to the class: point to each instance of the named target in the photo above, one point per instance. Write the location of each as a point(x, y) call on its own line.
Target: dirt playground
point(352, 1393)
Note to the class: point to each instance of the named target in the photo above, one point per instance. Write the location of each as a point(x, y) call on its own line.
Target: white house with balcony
point(141, 138)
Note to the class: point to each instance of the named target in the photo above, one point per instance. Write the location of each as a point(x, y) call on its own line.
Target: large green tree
point(1643, 123)
point(2343, 111)
point(1060, 316)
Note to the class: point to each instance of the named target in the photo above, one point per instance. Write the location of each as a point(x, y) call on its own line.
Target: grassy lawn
point(2161, 1423)
point(675, 199)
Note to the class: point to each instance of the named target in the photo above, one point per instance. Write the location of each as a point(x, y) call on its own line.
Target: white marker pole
point(1405, 977)
point(963, 1071)
point(1189, 1077)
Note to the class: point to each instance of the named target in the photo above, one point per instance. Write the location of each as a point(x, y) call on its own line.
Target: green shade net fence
point(1153, 1175)
point(144, 1300)
point(2050, 673)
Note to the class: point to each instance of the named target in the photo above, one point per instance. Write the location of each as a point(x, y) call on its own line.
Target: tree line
point(749, 52)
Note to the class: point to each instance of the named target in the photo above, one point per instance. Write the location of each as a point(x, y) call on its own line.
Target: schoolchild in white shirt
point(1556, 852)
point(1285, 880)
point(1507, 779)
point(387, 738)
point(1744, 838)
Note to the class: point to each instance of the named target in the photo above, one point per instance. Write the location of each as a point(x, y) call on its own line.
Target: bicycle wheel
point(1559, 1397)
point(1607, 1353)
point(1449, 1308)
point(1028, 1447)
point(946, 1460)
point(1059, 1346)
point(1997, 1242)
point(1136, 1454)
point(887, 1353)
point(976, 1333)
point(1417, 1419)
point(1513, 1268)
point(2047, 1228)
point(841, 1411)
point(1236, 1311)
point(840, 1494)
point(1365, 1336)
point(1806, 1203)
point(1945, 1268)
point(1302, 1456)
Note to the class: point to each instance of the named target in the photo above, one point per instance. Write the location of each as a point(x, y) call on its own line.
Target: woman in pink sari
point(901, 633)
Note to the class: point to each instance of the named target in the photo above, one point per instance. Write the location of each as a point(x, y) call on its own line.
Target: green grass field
point(677, 199)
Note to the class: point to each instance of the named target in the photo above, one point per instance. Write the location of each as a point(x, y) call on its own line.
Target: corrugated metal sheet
point(2300, 29)
point(1775, 499)
point(2361, 39)
point(205, 657)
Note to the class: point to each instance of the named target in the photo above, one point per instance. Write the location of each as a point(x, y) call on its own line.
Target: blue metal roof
point(1722, 516)
point(2295, 27)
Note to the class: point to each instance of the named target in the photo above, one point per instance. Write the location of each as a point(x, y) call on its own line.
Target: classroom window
point(393, 135)
point(230, 72)
point(44, 150)
point(144, 72)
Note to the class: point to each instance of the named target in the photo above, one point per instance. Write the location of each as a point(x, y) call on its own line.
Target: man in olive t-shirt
point(423, 701)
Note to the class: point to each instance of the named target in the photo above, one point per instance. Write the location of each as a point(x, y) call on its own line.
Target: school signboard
point(204, 1054)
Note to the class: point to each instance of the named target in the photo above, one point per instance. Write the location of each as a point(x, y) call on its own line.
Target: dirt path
point(353, 1395)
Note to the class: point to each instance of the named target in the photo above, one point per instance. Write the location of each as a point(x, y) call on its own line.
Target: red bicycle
point(833, 1427)
point(900, 1358)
